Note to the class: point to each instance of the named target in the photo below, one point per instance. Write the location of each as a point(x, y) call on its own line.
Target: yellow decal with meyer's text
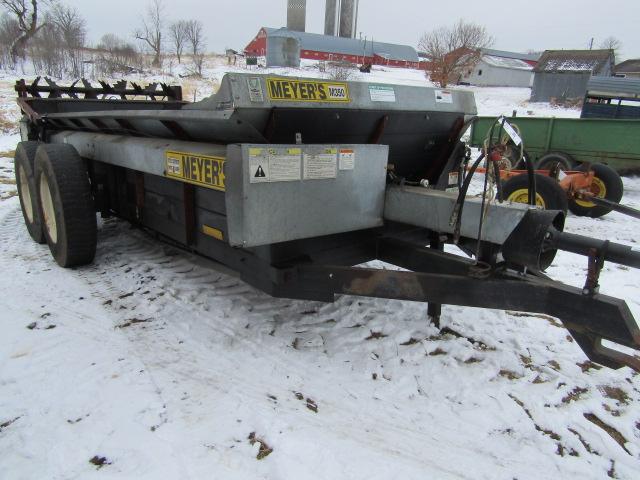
point(289, 90)
point(201, 170)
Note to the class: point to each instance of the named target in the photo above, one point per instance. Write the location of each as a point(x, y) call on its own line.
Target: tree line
point(53, 36)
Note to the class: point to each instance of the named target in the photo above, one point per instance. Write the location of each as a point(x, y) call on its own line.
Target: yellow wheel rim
point(598, 188)
point(522, 196)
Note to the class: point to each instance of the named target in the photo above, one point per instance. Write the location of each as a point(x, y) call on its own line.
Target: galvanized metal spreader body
point(293, 182)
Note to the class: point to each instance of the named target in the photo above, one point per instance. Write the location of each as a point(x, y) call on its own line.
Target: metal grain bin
point(283, 50)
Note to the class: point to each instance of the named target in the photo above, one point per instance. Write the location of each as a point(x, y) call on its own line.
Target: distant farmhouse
point(497, 68)
point(628, 69)
point(564, 74)
point(282, 46)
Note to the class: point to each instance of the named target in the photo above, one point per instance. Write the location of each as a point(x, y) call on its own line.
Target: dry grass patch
point(613, 433)
point(8, 195)
point(264, 450)
point(7, 124)
point(198, 89)
point(574, 395)
point(615, 393)
point(436, 352)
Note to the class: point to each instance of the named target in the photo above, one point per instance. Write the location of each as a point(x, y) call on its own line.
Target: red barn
point(314, 46)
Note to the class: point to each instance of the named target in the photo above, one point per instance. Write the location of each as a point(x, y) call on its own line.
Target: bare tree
point(178, 36)
point(452, 50)
point(196, 40)
point(612, 43)
point(26, 13)
point(116, 56)
point(9, 31)
point(46, 49)
point(71, 24)
point(151, 31)
point(195, 36)
point(73, 32)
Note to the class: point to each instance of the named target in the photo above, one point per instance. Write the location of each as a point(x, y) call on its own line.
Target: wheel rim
point(598, 188)
point(552, 165)
point(48, 211)
point(522, 196)
point(25, 194)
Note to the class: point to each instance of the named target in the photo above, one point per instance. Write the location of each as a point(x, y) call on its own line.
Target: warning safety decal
point(322, 165)
point(275, 165)
point(201, 170)
point(347, 159)
point(288, 90)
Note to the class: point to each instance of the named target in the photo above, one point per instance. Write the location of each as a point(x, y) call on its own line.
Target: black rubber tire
point(24, 162)
point(549, 160)
point(66, 204)
point(614, 189)
point(548, 192)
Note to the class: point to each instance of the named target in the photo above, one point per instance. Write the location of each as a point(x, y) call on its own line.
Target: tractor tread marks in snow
point(75, 218)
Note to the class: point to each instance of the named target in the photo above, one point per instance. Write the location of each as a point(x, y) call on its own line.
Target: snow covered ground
point(149, 364)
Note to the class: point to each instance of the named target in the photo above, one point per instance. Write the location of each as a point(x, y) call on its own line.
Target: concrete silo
point(296, 15)
point(331, 18)
point(283, 49)
point(341, 18)
point(348, 18)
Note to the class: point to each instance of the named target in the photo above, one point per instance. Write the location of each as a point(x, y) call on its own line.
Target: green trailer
point(572, 141)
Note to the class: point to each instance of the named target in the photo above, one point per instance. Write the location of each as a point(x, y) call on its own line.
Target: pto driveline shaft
point(612, 252)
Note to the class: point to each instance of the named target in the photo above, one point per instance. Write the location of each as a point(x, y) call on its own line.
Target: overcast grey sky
point(516, 25)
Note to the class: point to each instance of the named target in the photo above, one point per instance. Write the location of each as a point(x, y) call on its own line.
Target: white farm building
point(497, 68)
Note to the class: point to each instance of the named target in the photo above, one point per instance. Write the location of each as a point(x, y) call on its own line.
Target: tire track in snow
point(136, 259)
point(133, 263)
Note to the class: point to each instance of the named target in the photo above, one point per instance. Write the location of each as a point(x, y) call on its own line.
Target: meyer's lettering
point(307, 91)
point(197, 169)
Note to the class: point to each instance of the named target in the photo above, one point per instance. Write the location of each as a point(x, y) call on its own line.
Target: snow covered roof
point(348, 46)
point(503, 62)
point(628, 66)
point(531, 57)
point(612, 87)
point(574, 61)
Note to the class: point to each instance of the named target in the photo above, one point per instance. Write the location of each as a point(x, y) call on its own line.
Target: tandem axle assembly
point(293, 191)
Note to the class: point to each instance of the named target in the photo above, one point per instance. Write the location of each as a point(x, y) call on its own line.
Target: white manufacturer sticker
point(321, 165)
point(511, 132)
point(347, 159)
point(285, 165)
point(452, 185)
point(173, 166)
point(258, 165)
point(255, 89)
point(444, 96)
point(381, 93)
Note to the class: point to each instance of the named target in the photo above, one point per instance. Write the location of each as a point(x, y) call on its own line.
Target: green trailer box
point(612, 142)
